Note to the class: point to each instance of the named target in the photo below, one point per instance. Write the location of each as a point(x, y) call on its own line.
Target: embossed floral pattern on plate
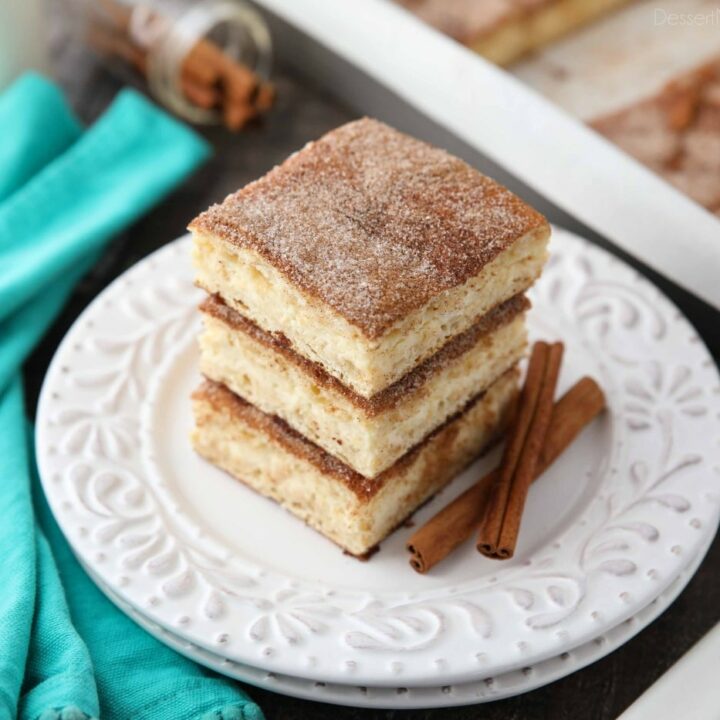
point(485, 689)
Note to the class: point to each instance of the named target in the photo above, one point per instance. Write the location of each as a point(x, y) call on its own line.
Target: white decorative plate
point(607, 529)
point(487, 689)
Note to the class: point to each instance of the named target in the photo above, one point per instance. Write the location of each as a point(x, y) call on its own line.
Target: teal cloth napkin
point(66, 653)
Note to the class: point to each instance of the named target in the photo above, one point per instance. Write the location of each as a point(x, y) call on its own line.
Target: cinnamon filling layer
point(398, 391)
point(224, 400)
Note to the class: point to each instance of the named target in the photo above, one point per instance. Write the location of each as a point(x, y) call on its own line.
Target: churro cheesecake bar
point(505, 30)
point(676, 132)
point(364, 320)
point(269, 456)
point(367, 251)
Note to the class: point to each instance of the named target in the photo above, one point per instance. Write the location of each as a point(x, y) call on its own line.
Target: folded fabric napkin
point(66, 653)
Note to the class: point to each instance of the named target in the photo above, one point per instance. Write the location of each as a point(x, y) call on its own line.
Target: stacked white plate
point(611, 533)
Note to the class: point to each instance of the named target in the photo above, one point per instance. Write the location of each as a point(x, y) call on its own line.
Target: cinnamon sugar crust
point(398, 391)
point(372, 222)
point(468, 20)
point(224, 400)
point(676, 133)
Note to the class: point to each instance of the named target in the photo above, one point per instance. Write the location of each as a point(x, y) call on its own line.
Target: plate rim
point(404, 700)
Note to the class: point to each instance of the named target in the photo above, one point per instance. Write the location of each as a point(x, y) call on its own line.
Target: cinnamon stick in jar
point(209, 77)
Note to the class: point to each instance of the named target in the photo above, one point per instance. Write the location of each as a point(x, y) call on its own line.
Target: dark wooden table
point(600, 691)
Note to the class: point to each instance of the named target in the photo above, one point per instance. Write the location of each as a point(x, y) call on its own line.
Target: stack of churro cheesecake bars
point(363, 326)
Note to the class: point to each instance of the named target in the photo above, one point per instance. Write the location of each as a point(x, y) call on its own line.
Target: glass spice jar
point(208, 61)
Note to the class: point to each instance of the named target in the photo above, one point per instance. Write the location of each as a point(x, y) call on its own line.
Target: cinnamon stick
point(240, 84)
point(524, 471)
point(515, 452)
point(451, 527)
point(455, 523)
point(581, 404)
point(265, 97)
point(237, 88)
point(204, 96)
point(237, 116)
point(204, 63)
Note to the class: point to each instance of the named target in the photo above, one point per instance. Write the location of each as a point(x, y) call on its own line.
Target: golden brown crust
point(372, 222)
point(469, 21)
point(223, 399)
point(398, 391)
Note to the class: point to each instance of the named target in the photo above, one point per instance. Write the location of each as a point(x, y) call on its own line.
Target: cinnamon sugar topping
point(372, 222)
point(676, 133)
point(468, 20)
